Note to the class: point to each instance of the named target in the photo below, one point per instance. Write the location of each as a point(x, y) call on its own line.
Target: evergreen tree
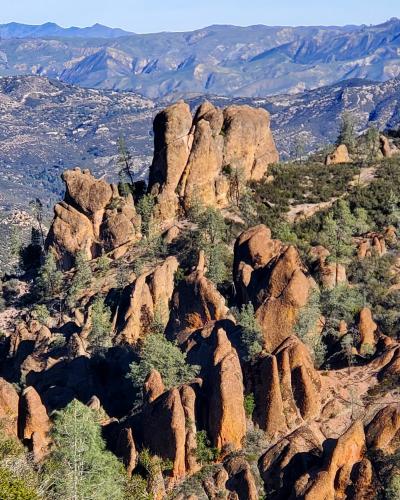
point(81, 279)
point(338, 227)
point(166, 357)
point(251, 335)
point(37, 209)
point(347, 134)
point(126, 169)
point(372, 138)
point(50, 279)
point(81, 466)
point(100, 333)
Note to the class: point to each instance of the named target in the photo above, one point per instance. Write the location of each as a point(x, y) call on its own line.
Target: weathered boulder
point(194, 156)
point(126, 449)
point(92, 218)
point(367, 328)
point(273, 278)
point(173, 412)
point(330, 273)
point(287, 388)
point(383, 432)
point(33, 423)
point(371, 244)
point(385, 146)
point(9, 401)
point(196, 302)
point(150, 296)
point(241, 478)
point(337, 475)
point(227, 419)
point(339, 155)
point(153, 386)
point(285, 462)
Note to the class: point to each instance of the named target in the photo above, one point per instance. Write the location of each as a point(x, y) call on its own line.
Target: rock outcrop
point(34, 423)
point(339, 155)
point(331, 274)
point(272, 277)
point(287, 388)
point(341, 471)
point(383, 432)
point(196, 302)
point(150, 297)
point(92, 218)
point(173, 412)
point(286, 461)
point(367, 328)
point(9, 401)
point(227, 419)
point(194, 157)
point(372, 244)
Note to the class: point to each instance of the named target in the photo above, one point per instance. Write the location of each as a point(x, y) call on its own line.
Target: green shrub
point(166, 357)
point(249, 405)
point(14, 488)
point(205, 453)
point(251, 335)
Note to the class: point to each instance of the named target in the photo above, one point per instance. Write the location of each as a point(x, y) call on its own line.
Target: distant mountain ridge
point(254, 61)
point(17, 30)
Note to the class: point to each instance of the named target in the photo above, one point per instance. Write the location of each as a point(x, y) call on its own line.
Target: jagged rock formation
point(330, 274)
point(93, 218)
point(345, 467)
point(193, 157)
point(339, 155)
point(9, 401)
point(34, 423)
point(150, 296)
point(287, 388)
point(383, 432)
point(273, 278)
point(286, 461)
point(372, 244)
point(367, 328)
point(227, 420)
point(196, 302)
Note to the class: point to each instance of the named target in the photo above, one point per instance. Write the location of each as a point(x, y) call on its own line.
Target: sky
point(147, 16)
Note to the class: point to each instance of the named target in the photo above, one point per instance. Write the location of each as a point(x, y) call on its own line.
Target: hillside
point(189, 339)
point(48, 126)
point(254, 61)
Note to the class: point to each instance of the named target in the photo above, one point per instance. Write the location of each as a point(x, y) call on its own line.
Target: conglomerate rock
point(93, 218)
point(194, 157)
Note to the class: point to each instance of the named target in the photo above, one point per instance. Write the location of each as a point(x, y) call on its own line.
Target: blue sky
point(144, 16)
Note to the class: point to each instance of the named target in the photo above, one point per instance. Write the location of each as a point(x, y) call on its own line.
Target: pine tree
point(347, 134)
point(100, 334)
point(337, 230)
point(50, 279)
point(126, 170)
point(81, 466)
point(37, 209)
point(81, 279)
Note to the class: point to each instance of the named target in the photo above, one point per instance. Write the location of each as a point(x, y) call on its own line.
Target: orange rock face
point(273, 278)
point(150, 296)
point(227, 419)
point(332, 481)
point(34, 423)
point(9, 400)
point(367, 328)
point(339, 155)
point(195, 303)
point(384, 430)
point(193, 155)
point(287, 388)
point(86, 222)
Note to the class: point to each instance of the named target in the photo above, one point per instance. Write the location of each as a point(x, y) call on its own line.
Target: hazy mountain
point(16, 30)
point(219, 60)
point(48, 126)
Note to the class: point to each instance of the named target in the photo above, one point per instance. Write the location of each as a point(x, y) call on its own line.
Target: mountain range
point(254, 61)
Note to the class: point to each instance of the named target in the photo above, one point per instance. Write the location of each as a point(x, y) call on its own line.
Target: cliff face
point(196, 159)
